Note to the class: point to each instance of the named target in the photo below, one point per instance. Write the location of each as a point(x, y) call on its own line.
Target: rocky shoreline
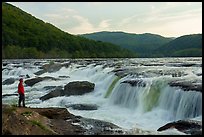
point(52, 121)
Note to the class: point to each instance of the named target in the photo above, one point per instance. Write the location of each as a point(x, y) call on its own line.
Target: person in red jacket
point(21, 93)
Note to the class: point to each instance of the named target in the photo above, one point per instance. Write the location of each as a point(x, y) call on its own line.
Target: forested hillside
point(143, 44)
point(24, 36)
point(184, 46)
point(151, 45)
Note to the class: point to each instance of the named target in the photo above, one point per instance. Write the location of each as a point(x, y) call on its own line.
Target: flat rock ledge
point(52, 121)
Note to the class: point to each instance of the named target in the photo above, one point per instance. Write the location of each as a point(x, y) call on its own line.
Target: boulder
point(8, 81)
point(72, 88)
point(187, 126)
point(78, 88)
point(54, 93)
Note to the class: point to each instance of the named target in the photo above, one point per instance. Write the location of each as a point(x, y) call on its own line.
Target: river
point(134, 93)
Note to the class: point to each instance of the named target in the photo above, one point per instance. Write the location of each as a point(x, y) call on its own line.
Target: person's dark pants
point(21, 99)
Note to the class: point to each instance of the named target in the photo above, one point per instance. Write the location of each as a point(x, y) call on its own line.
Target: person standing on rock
point(21, 93)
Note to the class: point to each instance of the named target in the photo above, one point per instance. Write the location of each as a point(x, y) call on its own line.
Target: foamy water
point(141, 110)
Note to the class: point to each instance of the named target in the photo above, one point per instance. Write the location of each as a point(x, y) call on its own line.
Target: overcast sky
point(169, 19)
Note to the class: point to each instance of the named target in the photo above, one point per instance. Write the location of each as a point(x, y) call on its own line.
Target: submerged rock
point(8, 81)
point(187, 85)
point(54, 93)
point(6, 95)
point(51, 67)
point(64, 76)
point(187, 126)
point(83, 106)
point(33, 81)
point(134, 83)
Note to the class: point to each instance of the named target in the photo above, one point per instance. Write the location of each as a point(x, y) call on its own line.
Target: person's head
point(21, 79)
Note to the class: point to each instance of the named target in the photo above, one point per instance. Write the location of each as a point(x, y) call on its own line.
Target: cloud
point(97, 3)
point(134, 17)
point(104, 24)
point(83, 27)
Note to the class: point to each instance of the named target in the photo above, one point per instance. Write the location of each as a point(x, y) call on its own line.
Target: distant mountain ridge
point(143, 44)
point(152, 45)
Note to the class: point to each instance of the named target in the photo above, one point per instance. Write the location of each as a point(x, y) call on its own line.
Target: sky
point(168, 19)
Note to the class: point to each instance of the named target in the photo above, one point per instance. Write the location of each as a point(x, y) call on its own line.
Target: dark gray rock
point(121, 72)
point(187, 126)
point(78, 88)
point(54, 93)
point(33, 81)
point(6, 95)
point(40, 72)
point(8, 81)
point(83, 106)
point(64, 77)
point(49, 87)
point(99, 127)
point(52, 67)
point(187, 85)
point(72, 88)
point(137, 82)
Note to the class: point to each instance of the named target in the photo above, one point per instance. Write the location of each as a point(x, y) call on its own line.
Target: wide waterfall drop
point(142, 96)
point(172, 103)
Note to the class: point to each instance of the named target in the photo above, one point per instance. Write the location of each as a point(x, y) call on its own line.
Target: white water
point(141, 110)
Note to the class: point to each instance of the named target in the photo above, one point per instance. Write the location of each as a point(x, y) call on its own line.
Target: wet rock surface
point(8, 81)
point(83, 106)
point(72, 88)
point(98, 127)
point(33, 81)
point(78, 88)
point(6, 95)
point(187, 85)
point(54, 93)
point(191, 127)
point(133, 83)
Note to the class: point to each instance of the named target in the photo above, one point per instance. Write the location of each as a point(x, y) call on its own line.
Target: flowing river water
point(134, 93)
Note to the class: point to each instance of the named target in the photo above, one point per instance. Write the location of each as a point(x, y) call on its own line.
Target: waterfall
point(141, 98)
point(181, 104)
point(112, 86)
point(156, 93)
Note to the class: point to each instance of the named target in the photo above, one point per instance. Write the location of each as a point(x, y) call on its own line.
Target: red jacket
point(20, 88)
